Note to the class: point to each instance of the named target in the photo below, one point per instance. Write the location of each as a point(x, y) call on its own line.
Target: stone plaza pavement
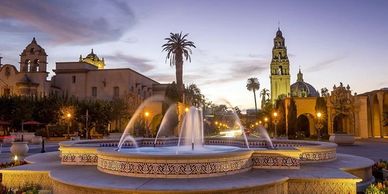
point(374, 149)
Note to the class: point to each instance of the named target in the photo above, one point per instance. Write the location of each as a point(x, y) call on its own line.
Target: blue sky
point(332, 41)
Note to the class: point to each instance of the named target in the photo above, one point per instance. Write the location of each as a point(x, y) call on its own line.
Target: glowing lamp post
point(68, 116)
point(266, 122)
point(319, 125)
point(146, 115)
point(275, 121)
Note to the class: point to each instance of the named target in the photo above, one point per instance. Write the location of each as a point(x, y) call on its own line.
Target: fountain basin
point(218, 161)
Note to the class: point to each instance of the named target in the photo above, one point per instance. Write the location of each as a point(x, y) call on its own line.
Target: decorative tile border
point(174, 168)
point(79, 158)
point(318, 156)
point(275, 161)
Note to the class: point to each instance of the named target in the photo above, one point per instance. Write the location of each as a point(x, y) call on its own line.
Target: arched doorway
point(304, 125)
point(339, 123)
point(376, 117)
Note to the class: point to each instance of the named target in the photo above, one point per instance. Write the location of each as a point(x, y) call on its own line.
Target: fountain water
point(135, 117)
point(192, 129)
point(238, 122)
point(264, 134)
point(165, 124)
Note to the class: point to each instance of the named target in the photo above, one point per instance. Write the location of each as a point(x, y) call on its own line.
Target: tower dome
point(279, 32)
point(93, 59)
point(303, 89)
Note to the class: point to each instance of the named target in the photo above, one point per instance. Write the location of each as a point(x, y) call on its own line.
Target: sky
point(331, 41)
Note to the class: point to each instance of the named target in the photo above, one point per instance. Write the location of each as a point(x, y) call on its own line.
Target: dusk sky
point(332, 41)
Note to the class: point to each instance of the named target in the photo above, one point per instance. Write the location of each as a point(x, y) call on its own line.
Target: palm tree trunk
point(254, 95)
point(179, 74)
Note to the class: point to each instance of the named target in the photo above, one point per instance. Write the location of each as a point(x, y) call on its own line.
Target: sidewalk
point(6, 156)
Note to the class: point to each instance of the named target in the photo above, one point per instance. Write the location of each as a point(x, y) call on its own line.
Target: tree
point(178, 48)
point(253, 85)
point(193, 96)
point(264, 96)
point(321, 107)
point(292, 118)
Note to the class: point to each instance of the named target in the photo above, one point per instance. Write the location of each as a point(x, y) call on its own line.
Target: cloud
point(240, 70)
point(70, 21)
point(324, 64)
point(138, 63)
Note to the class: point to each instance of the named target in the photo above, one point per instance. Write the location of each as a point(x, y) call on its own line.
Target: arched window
point(36, 65)
point(280, 70)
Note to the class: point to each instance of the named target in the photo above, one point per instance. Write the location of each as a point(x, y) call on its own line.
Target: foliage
point(292, 118)
point(378, 188)
point(178, 48)
point(281, 121)
point(264, 97)
point(321, 107)
point(172, 92)
point(253, 85)
point(26, 189)
point(12, 164)
point(53, 110)
point(193, 96)
point(154, 124)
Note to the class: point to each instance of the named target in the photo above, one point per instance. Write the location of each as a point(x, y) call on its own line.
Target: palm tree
point(264, 96)
point(178, 48)
point(253, 85)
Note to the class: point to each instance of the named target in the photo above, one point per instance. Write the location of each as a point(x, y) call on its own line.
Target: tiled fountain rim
point(113, 153)
point(305, 145)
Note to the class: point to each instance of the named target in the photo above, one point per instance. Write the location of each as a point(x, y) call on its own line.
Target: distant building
point(364, 115)
point(280, 68)
point(84, 79)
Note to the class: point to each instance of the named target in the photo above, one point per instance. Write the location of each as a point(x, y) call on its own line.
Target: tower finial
point(300, 76)
point(92, 51)
point(33, 40)
point(278, 25)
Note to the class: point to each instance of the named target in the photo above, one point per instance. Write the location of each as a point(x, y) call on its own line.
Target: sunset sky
point(331, 41)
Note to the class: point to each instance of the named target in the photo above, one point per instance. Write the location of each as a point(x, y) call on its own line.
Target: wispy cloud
point(70, 21)
point(324, 64)
point(137, 63)
point(240, 69)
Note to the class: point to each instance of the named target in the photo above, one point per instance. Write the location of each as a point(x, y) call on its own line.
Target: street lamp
point(68, 116)
point(275, 116)
point(146, 115)
point(319, 125)
point(266, 122)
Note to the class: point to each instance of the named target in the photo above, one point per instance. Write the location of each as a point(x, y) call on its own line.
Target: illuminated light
point(260, 122)
point(15, 158)
point(319, 114)
point(68, 115)
point(265, 119)
point(231, 133)
point(186, 109)
point(256, 123)
point(146, 114)
point(275, 114)
point(216, 123)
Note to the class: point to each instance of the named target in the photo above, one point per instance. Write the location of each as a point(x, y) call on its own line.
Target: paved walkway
point(374, 149)
point(5, 155)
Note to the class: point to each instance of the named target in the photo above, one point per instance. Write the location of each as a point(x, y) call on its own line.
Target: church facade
point(362, 115)
point(86, 78)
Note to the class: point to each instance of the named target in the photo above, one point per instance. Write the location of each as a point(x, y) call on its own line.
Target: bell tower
point(280, 68)
point(33, 58)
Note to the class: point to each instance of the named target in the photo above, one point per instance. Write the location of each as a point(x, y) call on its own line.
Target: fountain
point(163, 165)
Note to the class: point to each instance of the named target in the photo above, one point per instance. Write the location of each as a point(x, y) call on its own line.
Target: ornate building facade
point(364, 115)
point(86, 78)
point(280, 68)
